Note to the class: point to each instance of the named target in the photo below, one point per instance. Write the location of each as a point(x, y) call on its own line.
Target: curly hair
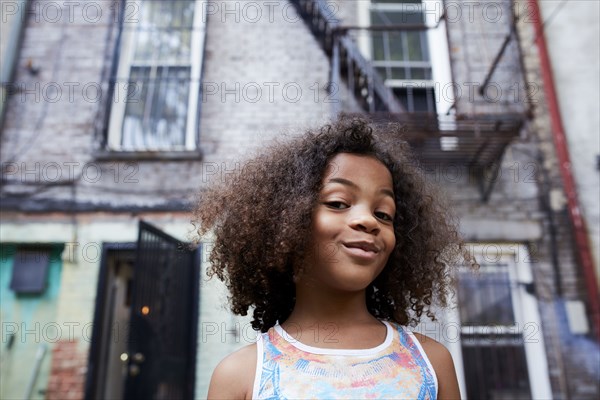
point(261, 221)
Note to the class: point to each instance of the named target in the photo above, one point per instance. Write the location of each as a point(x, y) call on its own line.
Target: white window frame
point(439, 56)
point(119, 103)
point(525, 307)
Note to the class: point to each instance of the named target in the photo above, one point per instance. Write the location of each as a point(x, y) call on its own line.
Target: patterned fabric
point(288, 369)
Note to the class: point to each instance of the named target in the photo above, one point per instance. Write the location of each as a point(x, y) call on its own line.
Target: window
point(157, 83)
point(402, 56)
point(492, 341)
point(500, 352)
point(410, 61)
point(30, 270)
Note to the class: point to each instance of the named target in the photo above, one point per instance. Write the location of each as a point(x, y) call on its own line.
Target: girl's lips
point(366, 245)
point(360, 253)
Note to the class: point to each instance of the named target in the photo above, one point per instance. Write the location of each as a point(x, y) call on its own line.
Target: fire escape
point(475, 140)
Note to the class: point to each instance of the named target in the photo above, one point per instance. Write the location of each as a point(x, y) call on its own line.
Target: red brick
point(67, 372)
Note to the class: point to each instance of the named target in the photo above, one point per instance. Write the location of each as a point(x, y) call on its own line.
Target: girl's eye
point(337, 204)
point(383, 216)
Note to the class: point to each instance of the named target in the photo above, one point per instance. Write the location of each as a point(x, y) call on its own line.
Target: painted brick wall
point(574, 67)
point(256, 86)
point(476, 31)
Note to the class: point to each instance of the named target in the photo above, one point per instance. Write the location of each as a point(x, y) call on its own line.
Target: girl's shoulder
point(431, 347)
point(441, 361)
point(234, 375)
point(437, 353)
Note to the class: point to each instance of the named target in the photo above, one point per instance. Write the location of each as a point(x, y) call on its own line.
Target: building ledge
point(33, 206)
point(495, 230)
point(109, 155)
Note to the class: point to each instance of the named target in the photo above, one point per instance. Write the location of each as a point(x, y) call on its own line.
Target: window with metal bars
point(492, 340)
point(157, 82)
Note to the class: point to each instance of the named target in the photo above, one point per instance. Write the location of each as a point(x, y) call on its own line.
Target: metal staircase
point(347, 61)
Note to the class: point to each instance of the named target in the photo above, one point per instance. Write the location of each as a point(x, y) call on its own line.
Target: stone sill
point(107, 155)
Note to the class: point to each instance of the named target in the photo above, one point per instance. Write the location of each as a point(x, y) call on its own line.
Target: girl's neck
point(317, 306)
point(325, 319)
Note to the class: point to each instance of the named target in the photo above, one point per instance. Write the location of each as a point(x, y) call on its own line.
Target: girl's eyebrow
point(347, 182)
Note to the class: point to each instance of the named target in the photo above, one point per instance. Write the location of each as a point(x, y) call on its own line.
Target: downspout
point(560, 142)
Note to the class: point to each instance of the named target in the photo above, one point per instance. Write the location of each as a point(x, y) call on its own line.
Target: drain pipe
point(560, 142)
point(39, 357)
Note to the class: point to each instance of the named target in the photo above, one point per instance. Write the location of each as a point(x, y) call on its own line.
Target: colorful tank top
point(398, 368)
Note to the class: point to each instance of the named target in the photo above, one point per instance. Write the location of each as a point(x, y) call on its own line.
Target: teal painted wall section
point(31, 320)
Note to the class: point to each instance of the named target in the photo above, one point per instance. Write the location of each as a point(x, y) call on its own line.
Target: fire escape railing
point(347, 61)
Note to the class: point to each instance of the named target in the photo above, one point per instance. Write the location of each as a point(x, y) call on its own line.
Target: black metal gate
point(162, 335)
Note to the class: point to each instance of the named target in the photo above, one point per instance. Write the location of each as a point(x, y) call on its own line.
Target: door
point(160, 361)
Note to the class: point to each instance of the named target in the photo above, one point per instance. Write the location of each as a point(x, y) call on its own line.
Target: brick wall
point(67, 372)
point(573, 359)
point(476, 32)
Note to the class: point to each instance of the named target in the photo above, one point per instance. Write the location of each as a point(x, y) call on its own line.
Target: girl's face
point(352, 224)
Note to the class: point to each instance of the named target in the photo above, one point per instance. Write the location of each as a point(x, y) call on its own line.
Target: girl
point(336, 242)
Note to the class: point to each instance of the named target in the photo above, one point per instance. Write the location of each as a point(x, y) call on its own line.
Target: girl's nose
point(365, 221)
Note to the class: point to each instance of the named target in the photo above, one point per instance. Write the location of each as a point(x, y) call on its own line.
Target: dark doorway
point(144, 337)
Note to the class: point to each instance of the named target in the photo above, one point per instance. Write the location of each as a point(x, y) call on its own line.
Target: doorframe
point(94, 357)
point(91, 380)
